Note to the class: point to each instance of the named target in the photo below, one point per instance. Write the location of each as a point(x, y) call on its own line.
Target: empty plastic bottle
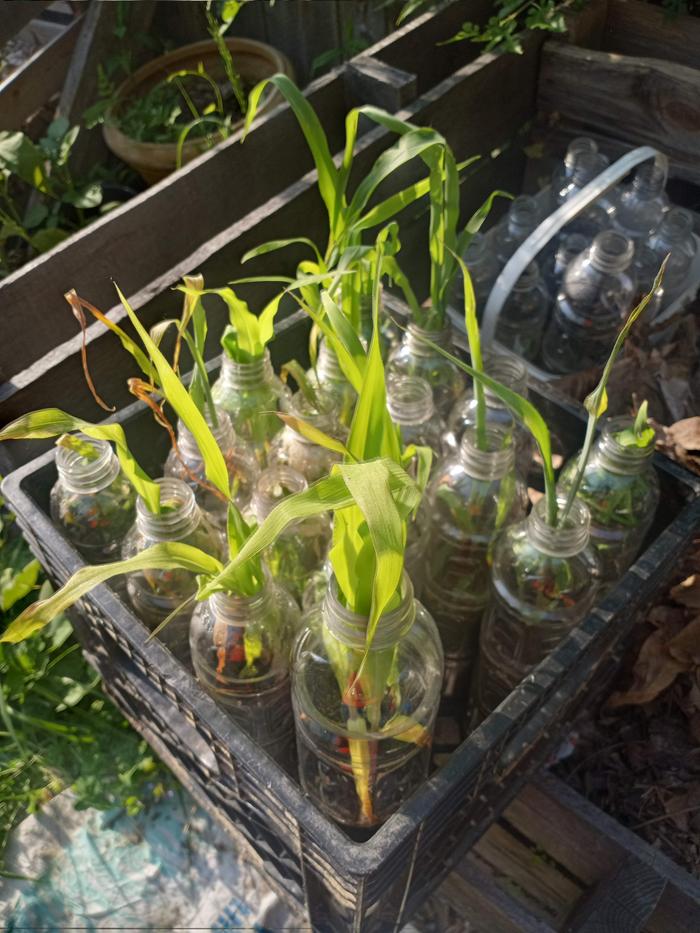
point(597, 293)
point(569, 246)
point(643, 204)
point(590, 221)
point(675, 236)
point(563, 173)
point(522, 219)
point(524, 314)
point(483, 268)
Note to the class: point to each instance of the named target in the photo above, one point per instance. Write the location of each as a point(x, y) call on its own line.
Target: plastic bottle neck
point(570, 247)
point(416, 337)
point(223, 432)
point(510, 371)
point(495, 461)
point(620, 458)
point(179, 515)
point(565, 541)
point(325, 419)
point(522, 216)
point(649, 181)
point(676, 227)
point(611, 252)
point(350, 628)
point(582, 145)
point(587, 166)
point(327, 365)
point(83, 475)
point(246, 376)
point(274, 485)
point(528, 280)
point(410, 400)
point(231, 609)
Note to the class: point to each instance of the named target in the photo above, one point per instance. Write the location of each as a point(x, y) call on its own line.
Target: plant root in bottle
point(92, 501)
point(240, 647)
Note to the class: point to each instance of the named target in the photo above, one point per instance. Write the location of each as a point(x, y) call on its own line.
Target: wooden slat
point(414, 48)
point(636, 28)
point(621, 903)
point(641, 100)
point(293, 212)
point(369, 80)
point(473, 892)
point(15, 15)
point(590, 845)
point(158, 229)
point(39, 78)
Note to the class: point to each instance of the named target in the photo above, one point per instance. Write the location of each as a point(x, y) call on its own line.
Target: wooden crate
point(555, 863)
point(204, 217)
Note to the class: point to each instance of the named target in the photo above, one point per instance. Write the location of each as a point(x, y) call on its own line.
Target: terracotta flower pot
point(153, 161)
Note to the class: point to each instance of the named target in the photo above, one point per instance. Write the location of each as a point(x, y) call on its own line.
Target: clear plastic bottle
point(241, 463)
point(328, 375)
point(241, 648)
point(642, 205)
point(569, 246)
point(92, 501)
point(482, 263)
point(511, 372)
point(645, 267)
point(302, 548)
point(155, 594)
point(469, 500)
point(414, 357)
point(595, 218)
point(544, 582)
point(596, 296)
point(524, 314)
point(292, 449)
point(364, 747)
point(675, 236)
point(410, 403)
point(523, 217)
point(251, 393)
point(563, 173)
point(621, 489)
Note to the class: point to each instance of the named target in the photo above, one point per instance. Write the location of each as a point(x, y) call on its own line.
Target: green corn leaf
point(476, 221)
point(248, 578)
point(178, 396)
point(313, 132)
point(273, 245)
point(474, 339)
point(525, 412)
point(315, 435)
point(597, 402)
point(164, 556)
point(52, 422)
point(368, 483)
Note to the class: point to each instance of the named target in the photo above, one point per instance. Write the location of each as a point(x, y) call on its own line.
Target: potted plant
point(178, 105)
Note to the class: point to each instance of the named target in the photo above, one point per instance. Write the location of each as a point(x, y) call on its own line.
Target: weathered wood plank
point(641, 100)
point(643, 29)
point(621, 903)
point(591, 845)
point(39, 78)
point(586, 24)
point(413, 47)
point(158, 229)
point(370, 81)
point(17, 14)
point(474, 892)
point(89, 270)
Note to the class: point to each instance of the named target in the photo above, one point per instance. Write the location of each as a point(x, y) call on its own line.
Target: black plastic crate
point(344, 885)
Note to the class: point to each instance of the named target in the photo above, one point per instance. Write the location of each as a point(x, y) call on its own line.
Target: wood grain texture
point(640, 100)
point(15, 15)
point(643, 29)
point(158, 229)
point(370, 81)
point(621, 903)
point(39, 78)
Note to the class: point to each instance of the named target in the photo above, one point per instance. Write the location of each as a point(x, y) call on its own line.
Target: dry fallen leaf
point(687, 592)
point(654, 670)
point(685, 646)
